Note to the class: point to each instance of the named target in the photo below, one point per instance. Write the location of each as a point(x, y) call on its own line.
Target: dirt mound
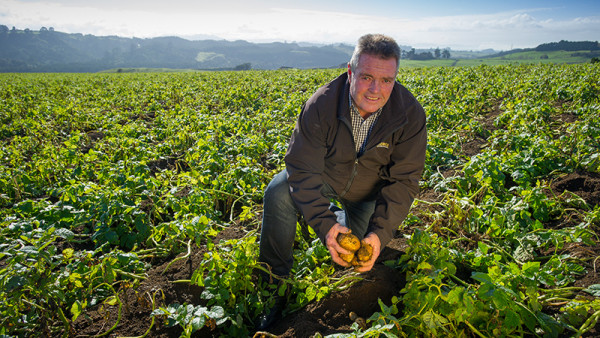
point(332, 314)
point(584, 184)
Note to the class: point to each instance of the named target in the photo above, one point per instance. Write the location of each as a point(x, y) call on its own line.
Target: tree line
point(437, 54)
point(568, 46)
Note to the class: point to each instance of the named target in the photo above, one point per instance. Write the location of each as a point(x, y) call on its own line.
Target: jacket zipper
point(351, 179)
point(355, 168)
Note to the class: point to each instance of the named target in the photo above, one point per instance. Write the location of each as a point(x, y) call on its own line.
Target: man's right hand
point(333, 246)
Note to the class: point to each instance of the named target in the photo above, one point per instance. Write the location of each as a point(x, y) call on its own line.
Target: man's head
point(372, 72)
point(377, 45)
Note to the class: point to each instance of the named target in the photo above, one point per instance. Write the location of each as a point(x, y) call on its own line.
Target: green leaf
point(311, 293)
point(207, 294)
point(75, 278)
point(481, 277)
point(433, 320)
point(111, 300)
point(197, 323)
point(281, 290)
point(455, 295)
point(15, 282)
point(29, 249)
point(76, 309)
point(424, 266)
point(511, 320)
point(530, 268)
point(593, 290)
point(215, 312)
point(68, 253)
point(483, 247)
point(64, 233)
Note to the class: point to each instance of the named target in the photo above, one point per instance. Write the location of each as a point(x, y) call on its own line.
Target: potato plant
point(102, 175)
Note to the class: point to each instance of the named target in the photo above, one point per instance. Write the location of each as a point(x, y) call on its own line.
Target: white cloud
point(500, 31)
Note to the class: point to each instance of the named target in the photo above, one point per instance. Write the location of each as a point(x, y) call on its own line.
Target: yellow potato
point(347, 257)
point(365, 252)
point(348, 241)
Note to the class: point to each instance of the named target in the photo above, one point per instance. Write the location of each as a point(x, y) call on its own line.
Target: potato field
point(131, 206)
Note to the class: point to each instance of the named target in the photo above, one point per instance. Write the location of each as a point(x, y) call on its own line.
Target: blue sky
point(460, 25)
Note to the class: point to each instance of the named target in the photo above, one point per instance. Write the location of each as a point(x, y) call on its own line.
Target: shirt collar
point(354, 110)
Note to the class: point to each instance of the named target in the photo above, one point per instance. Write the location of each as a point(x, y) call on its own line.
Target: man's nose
point(374, 88)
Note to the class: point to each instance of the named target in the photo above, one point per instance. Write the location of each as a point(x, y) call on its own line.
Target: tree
point(437, 53)
point(446, 54)
point(243, 66)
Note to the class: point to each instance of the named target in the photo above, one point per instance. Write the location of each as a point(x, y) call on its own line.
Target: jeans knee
point(277, 195)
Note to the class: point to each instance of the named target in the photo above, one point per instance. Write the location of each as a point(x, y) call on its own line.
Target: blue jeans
point(281, 215)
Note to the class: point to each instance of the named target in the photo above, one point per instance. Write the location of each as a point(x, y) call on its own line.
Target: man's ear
point(349, 70)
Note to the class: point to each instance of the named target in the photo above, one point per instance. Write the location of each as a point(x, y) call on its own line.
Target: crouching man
point(359, 140)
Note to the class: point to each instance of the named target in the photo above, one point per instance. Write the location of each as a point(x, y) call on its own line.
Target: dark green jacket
point(322, 149)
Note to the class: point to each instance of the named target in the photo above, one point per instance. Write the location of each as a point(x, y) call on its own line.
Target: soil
point(583, 184)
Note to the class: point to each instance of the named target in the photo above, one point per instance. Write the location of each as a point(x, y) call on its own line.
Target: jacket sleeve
point(305, 164)
point(403, 176)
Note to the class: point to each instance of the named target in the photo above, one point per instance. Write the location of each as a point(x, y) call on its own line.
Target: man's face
point(371, 83)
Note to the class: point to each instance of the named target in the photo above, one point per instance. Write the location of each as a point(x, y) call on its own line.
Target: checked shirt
point(361, 128)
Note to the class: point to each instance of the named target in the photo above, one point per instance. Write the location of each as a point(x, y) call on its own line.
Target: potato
point(365, 252)
point(348, 241)
point(347, 257)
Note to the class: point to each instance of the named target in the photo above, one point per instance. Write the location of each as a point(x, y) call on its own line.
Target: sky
point(458, 24)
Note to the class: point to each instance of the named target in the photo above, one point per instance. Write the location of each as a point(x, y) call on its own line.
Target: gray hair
point(379, 45)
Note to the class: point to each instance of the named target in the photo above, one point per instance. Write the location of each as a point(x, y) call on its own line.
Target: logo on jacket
point(383, 145)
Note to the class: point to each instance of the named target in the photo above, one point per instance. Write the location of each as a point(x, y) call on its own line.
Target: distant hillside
point(47, 50)
point(572, 46)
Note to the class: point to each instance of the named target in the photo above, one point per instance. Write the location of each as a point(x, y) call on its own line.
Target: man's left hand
point(374, 241)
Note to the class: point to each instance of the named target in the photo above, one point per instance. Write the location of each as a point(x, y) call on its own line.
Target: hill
point(47, 50)
point(579, 49)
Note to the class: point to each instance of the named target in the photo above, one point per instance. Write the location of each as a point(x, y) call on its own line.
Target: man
point(359, 140)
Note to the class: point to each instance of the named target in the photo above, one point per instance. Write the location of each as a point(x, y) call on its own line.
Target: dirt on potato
point(348, 241)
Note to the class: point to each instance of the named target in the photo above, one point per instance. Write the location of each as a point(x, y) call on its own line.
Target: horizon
point(460, 25)
point(288, 42)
